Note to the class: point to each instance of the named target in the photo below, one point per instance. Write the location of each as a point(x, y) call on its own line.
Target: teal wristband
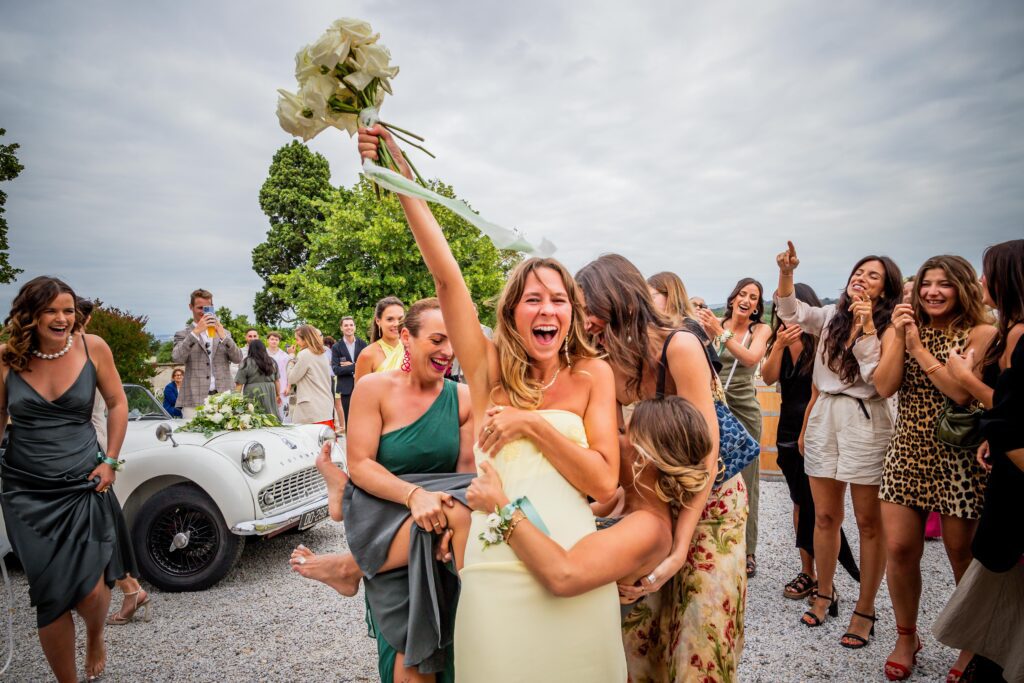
point(114, 464)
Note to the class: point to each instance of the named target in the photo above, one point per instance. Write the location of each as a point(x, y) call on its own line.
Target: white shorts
point(846, 439)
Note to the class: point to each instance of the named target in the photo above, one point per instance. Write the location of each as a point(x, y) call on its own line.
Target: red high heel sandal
point(895, 671)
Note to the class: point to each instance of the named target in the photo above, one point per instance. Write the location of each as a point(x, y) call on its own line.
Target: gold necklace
point(552, 382)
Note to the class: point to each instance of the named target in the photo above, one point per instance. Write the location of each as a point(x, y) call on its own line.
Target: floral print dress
point(692, 629)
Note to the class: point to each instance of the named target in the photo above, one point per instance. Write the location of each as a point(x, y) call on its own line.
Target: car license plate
point(312, 518)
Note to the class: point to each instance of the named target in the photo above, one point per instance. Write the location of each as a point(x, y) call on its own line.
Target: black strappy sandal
point(800, 587)
point(811, 620)
point(861, 641)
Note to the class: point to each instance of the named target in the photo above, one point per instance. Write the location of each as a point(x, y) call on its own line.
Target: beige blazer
point(311, 376)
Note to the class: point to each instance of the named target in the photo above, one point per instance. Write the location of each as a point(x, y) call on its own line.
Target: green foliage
point(297, 187)
point(365, 252)
point(163, 353)
point(128, 340)
point(9, 170)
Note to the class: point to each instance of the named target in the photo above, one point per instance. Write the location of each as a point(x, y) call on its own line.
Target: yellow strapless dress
point(508, 628)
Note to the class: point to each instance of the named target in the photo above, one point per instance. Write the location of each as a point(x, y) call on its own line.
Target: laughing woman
point(848, 428)
point(385, 351)
point(697, 593)
point(923, 474)
point(550, 437)
point(62, 519)
point(741, 340)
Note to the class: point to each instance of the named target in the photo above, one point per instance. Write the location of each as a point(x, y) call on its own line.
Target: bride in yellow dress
point(545, 406)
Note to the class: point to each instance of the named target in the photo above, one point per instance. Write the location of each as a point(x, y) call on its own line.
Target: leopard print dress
point(919, 471)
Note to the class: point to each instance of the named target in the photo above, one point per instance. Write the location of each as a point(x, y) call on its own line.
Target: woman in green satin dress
point(62, 519)
point(741, 340)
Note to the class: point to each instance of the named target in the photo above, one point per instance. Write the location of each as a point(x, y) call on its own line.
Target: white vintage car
point(191, 500)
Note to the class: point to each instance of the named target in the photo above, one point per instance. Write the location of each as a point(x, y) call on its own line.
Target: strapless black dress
point(65, 534)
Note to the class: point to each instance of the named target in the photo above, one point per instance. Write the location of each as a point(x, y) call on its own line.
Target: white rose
point(493, 520)
point(492, 536)
point(251, 408)
point(357, 31)
point(330, 48)
point(371, 61)
point(215, 418)
point(246, 420)
point(304, 66)
point(292, 114)
point(316, 92)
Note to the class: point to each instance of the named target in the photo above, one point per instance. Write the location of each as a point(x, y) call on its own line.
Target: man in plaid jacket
point(207, 351)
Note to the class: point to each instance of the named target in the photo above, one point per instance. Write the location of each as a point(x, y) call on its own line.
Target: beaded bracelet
point(517, 516)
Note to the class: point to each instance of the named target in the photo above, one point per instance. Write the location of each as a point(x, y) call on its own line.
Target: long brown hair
point(20, 324)
point(838, 356)
point(378, 311)
point(617, 293)
point(1003, 266)
point(670, 433)
point(677, 301)
point(805, 363)
point(755, 317)
point(513, 359)
point(970, 300)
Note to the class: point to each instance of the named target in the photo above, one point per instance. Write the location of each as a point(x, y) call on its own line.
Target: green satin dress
point(66, 534)
point(741, 397)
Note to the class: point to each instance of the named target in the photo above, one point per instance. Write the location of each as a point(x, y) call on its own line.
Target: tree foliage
point(293, 195)
point(9, 170)
point(128, 340)
point(365, 252)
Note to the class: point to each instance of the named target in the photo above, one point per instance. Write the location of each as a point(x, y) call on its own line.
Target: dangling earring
point(565, 349)
point(406, 362)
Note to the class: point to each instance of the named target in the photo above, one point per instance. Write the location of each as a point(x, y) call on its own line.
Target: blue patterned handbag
point(736, 447)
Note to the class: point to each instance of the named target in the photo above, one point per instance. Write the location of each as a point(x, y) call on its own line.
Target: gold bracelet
point(517, 517)
point(865, 333)
point(413, 490)
point(933, 369)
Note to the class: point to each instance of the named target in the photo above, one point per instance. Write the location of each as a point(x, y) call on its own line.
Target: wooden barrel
point(771, 402)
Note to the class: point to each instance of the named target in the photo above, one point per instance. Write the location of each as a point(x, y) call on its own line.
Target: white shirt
point(207, 343)
point(281, 357)
point(866, 349)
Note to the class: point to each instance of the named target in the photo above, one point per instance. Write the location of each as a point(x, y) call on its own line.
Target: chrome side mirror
point(164, 432)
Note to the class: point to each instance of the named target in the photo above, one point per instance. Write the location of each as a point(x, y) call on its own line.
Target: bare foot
point(340, 572)
point(95, 658)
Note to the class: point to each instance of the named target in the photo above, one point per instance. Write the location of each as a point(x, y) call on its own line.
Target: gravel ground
point(264, 623)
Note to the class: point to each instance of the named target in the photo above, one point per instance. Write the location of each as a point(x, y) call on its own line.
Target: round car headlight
point(326, 436)
point(254, 456)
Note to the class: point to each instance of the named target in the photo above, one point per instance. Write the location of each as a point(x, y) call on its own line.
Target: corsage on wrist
point(116, 465)
point(724, 337)
point(503, 521)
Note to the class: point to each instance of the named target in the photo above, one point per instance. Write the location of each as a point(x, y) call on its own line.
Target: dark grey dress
point(66, 535)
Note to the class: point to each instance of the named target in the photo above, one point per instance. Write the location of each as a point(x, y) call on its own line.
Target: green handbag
point(959, 426)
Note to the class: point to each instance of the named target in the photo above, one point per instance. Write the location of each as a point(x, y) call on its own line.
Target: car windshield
point(142, 405)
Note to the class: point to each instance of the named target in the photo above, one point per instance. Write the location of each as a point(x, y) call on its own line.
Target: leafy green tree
point(237, 325)
point(365, 251)
point(9, 170)
point(293, 196)
point(163, 354)
point(128, 340)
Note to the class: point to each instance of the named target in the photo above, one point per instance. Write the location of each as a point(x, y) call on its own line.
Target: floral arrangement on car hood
point(228, 412)
point(342, 79)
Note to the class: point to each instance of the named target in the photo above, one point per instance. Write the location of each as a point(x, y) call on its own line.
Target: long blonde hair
point(311, 337)
point(513, 359)
point(677, 301)
point(671, 434)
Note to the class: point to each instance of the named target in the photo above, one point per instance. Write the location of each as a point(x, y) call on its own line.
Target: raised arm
point(470, 345)
point(789, 308)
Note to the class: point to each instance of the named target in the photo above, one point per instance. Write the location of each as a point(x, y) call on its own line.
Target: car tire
point(181, 541)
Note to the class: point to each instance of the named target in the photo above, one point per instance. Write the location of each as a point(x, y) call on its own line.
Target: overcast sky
point(694, 137)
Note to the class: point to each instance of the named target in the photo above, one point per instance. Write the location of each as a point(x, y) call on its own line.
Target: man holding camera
point(207, 352)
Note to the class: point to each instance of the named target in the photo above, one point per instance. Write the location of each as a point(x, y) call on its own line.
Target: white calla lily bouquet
point(228, 412)
point(342, 79)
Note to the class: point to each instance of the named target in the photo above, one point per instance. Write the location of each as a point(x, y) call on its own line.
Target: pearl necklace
point(54, 356)
point(552, 382)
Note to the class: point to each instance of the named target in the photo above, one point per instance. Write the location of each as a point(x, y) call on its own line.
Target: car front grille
point(294, 489)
